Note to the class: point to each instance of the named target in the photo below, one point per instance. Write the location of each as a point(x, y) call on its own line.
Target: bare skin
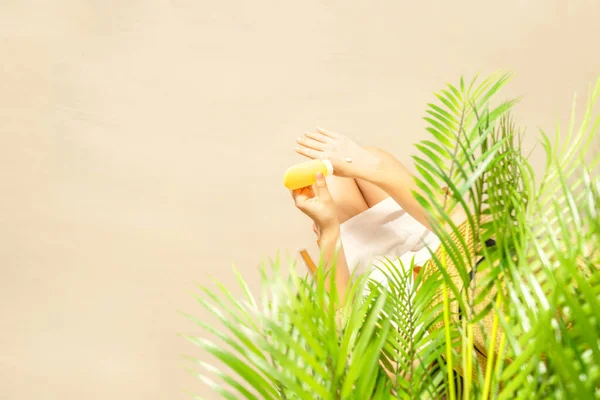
point(376, 172)
point(372, 176)
point(318, 204)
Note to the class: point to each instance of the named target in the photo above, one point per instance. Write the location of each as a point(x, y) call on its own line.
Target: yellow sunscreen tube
point(303, 174)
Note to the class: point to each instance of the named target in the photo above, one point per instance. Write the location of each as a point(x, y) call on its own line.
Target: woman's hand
point(318, 204)
point(348, 158)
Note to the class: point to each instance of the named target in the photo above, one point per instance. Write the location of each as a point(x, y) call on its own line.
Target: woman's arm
point(318, 204)
point(373, 165)
point(332, 252)
point(398, 182)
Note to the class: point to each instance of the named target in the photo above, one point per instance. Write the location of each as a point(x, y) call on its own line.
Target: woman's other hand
point(348, 158)
point(318, 204)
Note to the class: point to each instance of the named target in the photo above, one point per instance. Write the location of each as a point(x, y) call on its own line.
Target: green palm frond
point(559, 267)
point(540, 241)
point(297, 344)
point(411, 353)
point(508, 307)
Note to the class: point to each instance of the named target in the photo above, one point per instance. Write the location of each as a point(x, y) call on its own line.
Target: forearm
point(332, 253)
point(399, 183)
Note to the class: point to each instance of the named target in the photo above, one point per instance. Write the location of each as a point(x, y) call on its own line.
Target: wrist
point(329, 230)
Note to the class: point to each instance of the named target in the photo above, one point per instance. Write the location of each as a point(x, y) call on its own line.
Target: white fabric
point(385, 231)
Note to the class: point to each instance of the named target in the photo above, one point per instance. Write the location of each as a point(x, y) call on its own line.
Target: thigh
point(347, 196)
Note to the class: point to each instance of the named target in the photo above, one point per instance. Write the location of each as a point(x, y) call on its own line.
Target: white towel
point(385, 231)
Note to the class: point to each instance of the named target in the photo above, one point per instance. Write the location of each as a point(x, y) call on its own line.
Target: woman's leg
point(348, 197)
point(371, 193)
point(354, 196)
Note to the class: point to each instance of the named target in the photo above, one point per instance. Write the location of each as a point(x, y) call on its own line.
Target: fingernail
point(297, 148)
point(319, 175)
point(298, 139)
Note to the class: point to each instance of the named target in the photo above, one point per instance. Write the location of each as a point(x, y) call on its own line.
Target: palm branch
point(507, 307)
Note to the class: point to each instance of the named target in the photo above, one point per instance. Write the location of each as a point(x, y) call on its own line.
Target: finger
point(310, 153)
point(308, 192)
point(302, 196)
point(299, 196)
point(321, 186)
point(300, 202)
point(318, 136)
point(327, 133)
point(310, 143)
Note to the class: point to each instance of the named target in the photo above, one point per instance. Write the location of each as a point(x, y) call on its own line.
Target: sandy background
point(143, 145)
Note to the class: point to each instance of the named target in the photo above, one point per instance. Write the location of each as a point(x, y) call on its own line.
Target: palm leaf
point(518, 318)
